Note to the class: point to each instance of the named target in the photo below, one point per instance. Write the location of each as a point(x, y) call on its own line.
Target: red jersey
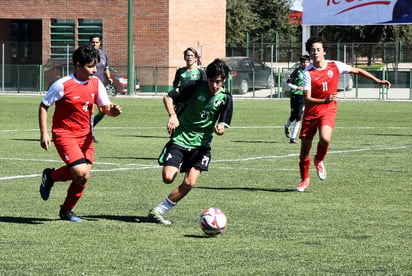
point(74, 101)
point(323, 82)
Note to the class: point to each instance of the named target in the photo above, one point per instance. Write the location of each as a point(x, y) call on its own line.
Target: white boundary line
point(145, 166)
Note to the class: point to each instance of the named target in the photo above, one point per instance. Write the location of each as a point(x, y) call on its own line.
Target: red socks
point(74, 193)
point(321, 152)
point(304, 168)
point(61, 174)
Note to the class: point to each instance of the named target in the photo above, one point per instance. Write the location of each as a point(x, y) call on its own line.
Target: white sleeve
point(343, 67)
point(306, 80)
point(102, 97)
point(55, 92)
point(292, 86)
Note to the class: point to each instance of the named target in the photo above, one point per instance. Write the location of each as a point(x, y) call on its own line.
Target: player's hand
point(115, 110)
point(173, 123)
point(385, 82)
point(332, 97)
point(110, 80)
point(220, 129)
point(45, 141)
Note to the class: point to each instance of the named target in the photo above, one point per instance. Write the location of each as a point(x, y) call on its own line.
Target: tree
point(263, 19)
point(273, 20)
point(240, 19)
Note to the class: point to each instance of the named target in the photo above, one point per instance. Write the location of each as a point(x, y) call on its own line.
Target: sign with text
point(357, 12)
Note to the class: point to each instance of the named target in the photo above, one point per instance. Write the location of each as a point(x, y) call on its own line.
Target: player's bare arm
point(368, 75)
point(315, 101)
point(173, 122)
point(45, 141)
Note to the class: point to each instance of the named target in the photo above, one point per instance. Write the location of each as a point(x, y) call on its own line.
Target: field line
point(145, 166)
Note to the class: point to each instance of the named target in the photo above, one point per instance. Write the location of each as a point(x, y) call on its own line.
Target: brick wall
point(162, 29)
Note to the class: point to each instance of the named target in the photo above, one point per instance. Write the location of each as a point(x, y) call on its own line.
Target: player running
point(74, 96)
point(208, 109)
point(320, 85)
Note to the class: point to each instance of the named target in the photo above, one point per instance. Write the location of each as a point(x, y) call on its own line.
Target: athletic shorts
point(73, 149)
point(310, 126)
point(178, 156)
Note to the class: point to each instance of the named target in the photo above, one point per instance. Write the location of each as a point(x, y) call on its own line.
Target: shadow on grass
point(129, 158)
point(275, 190)
point(255, 141)
point(22, 220)
point(200, 236)
point(136, 219)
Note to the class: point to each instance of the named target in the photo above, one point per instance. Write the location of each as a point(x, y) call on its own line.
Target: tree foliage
point(264, 20)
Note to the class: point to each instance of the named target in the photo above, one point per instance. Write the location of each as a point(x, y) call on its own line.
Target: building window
point(88, 27)
point(64, 37)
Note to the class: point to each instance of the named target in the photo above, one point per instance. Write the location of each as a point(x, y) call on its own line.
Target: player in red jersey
point(320, 85)
point(74, 97)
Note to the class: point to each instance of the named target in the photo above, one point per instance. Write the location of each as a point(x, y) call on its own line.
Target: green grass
point(357, 222)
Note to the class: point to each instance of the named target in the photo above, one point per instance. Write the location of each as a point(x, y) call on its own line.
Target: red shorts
point(311, 124)
point(71, 148)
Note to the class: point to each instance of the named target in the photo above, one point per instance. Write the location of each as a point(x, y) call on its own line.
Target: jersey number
point(325, 86)
point(86, 106)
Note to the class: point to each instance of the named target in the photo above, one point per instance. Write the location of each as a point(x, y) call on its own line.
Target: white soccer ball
point(212, 221)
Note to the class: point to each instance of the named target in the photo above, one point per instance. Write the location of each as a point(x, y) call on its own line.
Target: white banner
point(357, 12)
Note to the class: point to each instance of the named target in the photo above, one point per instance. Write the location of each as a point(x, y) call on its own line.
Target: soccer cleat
point(302, 186)
point(320, 169)
point(156, 217)
point(293, 141)
point(46, 184)
point(287, 132)
point(68, 215)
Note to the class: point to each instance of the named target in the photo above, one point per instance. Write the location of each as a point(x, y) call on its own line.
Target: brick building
point(44, 31)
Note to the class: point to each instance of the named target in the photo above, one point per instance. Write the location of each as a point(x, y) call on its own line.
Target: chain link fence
point(391, 61)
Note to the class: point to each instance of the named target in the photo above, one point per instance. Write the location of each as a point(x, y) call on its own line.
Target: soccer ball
point(212, 221)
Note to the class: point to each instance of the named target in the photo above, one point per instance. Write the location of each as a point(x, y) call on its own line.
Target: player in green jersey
point(191, 72)
point(297, 100)
point(207, 110)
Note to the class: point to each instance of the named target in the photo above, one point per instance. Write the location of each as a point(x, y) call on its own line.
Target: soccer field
point(356, 222)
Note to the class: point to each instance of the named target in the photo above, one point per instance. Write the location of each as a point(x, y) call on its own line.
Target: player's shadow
point(139, 219)
point(254, 141)
point(23, 220)
point(249, 189)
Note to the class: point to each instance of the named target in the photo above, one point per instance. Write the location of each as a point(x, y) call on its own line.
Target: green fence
point(38, 78)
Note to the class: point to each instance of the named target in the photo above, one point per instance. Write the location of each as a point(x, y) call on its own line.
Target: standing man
point(320, 85)
point(103, 73)
point(74, 96)
point(297, 100)
point(208, 109)
point(191, 71)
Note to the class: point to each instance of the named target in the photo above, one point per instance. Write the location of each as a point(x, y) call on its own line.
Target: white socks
point(295, 130)
point(165, 206)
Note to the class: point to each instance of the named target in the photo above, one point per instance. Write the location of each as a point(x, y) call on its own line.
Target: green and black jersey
point(183, 76)
point(200, 114)
point(296, 78)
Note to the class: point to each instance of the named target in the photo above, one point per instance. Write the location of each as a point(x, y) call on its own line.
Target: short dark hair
point(304, 58)
point(217, 68)
point(85, 55)
point(312, 40)
point(94, 36)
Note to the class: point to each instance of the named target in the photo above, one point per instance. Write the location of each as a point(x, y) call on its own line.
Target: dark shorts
point(297, 105)
point(178, 156)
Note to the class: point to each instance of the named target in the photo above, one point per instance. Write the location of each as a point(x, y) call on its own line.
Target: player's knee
point(169, 177)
